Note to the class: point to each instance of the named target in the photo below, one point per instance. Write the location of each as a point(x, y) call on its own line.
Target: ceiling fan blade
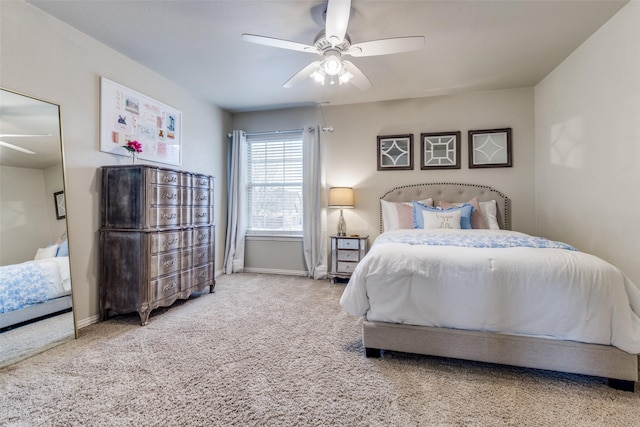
point(302, 74)
point(15, 147)
point(359, 80)
point(386, 46)
point(283, 44)
point(337, 19)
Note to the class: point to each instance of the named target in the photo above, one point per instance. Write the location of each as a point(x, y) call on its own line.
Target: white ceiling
point(470, 45)
point(33, 125)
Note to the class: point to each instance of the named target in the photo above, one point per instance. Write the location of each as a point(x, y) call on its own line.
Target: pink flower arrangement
point(133, 147)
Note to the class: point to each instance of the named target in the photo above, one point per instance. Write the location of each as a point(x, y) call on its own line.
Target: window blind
point(274, 183)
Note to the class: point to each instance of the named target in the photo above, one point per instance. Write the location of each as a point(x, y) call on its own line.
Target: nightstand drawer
point(346, 267)
point(348, 256)
point(348, 243)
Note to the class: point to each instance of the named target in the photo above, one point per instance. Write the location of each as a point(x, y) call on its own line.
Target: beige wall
point(26, 214)
point(588, 145)
point(42, 57)
point(350, 152)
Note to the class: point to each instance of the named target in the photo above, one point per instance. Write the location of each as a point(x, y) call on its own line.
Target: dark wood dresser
point(157, 238)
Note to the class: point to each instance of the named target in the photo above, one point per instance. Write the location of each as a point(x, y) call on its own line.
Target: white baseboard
point(88, 321)
point(276, 271)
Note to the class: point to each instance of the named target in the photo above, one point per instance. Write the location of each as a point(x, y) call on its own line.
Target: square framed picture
point(440, 150)
point(490, 148)
point(61, 207)
point(395, 152)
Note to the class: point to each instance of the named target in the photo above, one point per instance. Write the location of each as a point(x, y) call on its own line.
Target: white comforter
point(548, 292)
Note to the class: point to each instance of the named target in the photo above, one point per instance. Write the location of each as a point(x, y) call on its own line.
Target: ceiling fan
point(332, 44)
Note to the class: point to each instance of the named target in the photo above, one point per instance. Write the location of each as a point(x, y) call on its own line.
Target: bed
point(34, 289)
point(485, 293)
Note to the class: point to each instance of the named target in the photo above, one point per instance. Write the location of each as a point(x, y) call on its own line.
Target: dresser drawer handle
point(202, 275)
point(201, 182)
point(202, 215)
point(201, 198)
point(201, 255)
point(169, 216)
point(169, 286)
point(170, 263)
point(170, 242)
point(203, 236)
point(167, 196)
point(167, 178)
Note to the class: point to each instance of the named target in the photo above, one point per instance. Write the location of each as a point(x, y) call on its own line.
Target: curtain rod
point(273, 132)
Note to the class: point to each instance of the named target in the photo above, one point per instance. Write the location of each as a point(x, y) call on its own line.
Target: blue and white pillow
point(63, 249)
point(466, 210)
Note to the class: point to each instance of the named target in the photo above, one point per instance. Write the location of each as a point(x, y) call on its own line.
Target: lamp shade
point(341, 197)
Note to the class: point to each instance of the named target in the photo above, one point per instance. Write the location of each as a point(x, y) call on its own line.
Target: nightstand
point(346, 253)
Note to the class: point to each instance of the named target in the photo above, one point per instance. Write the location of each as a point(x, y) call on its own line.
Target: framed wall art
point(395, 152)
point(127, 115)
point(61, 207)
point(440, 150)
point(490, 148)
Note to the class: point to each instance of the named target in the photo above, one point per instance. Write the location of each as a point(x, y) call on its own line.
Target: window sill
point(273, 238)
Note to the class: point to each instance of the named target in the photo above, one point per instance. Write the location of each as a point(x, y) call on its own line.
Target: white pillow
point(48, 252)
point(442, 219)
point(399, 215)
point(489, 211)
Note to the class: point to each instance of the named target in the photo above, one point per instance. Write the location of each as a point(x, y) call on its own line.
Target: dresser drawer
point(201, 197)
point(164, 263)
point(348, 243)
point(164, 217)
point(202, 275)
point(202, 235)
point(202, 182)
point(164, 195)
point(165, 287)
point(345, 255)
point(202, 254)
point(165, 177)
point(346, 267)
point(166, 241)
point(201, 215)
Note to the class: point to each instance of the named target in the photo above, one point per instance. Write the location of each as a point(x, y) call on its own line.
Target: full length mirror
point(35, 279)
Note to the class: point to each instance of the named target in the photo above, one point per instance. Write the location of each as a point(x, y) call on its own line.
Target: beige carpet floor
point(25, 341)
point(279, 351)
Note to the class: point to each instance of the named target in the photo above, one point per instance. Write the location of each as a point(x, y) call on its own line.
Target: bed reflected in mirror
point(36, 304)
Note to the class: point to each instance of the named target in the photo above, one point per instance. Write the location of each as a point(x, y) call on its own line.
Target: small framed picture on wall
point(395, 152)
point(490, 148)
point(440, 150)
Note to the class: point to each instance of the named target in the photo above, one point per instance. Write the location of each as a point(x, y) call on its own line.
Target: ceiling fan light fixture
point(332, 64)
point(345, 76)
point(318, 75)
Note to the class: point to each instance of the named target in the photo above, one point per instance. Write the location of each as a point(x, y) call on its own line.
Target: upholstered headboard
point(454, 193)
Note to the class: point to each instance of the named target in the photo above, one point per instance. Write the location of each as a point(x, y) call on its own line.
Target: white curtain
point(314, 240)
point(236, 203)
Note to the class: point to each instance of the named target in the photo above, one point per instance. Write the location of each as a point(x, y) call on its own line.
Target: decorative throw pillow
point(63, 249)
point(48, 252)
point(466, 210)
point(478, 220)
point(441, 218)
point(399, 215)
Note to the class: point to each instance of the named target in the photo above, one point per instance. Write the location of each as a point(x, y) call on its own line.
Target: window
point(274, 183)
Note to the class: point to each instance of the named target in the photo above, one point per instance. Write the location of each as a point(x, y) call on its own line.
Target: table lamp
point(341, 197)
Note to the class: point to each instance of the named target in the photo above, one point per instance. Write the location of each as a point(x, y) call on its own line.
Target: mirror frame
point(48, 345)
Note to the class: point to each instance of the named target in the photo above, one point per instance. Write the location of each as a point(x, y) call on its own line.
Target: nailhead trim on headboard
point(455, 192)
